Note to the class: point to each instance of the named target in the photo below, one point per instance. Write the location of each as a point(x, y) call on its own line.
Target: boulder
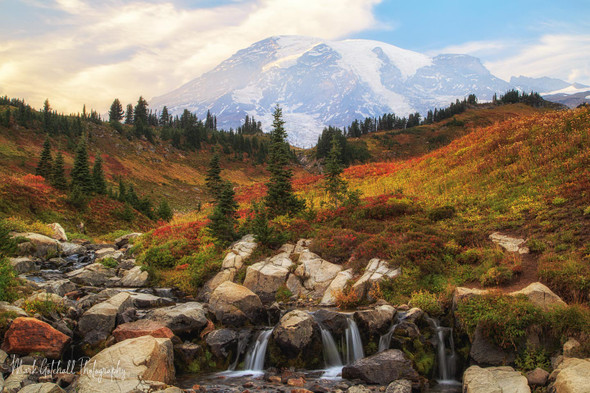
point(58, 232)
point(295, 331)
point(39, 245)
point(135, 278)
point(187, 352)
point(221, 277)
point(42, 388)
point(399, 386)
point(143, 327)
point(537, 377)
point(487, 353)
point(294, 285)
point(375, 321)
point(334, 321)
point(234, 305)
point(6, 307)
point(94, 275)
point(316, 273)
point(183, 318)
point(381, 368)
point(47, 297)
point(239, 252)
point(145, 300)
point(98, 322)
point(106, 252)
point(571, 348)
point(337, 285)
point(23, 265)
point(494, 380)
point(29, 335)
point(413, 315)
point(221, 342)
point(94, 298)
point(509, 243)
point(59, 287)
point(122, 241)
point(129, 365)
point(376, 271)
point(72, 249)
point(540, 295)
point(462, 293)
point(266, 277)
point(20, 376)
point(571, 376)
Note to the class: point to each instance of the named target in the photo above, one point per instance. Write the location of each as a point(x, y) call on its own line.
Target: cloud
point(563, 56)
point(90, 52)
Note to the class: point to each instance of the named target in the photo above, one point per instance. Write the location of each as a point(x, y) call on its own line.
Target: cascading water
point(353, 343)
point(242, 344)
point(385, 340)
point(447, 360)
point(331, 356)
point(255, 356)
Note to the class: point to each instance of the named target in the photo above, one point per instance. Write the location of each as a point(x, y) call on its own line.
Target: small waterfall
point(446, 360)
point(331, 355)
point(353, 342)
point(385, 340)
point(242, 344)
point(255, 356)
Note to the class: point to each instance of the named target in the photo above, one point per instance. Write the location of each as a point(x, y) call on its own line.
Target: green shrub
point(497, 275)
point(7, 280)
point(558, 201)
point(470, 257)
point(109, 262)
point(44, 307)
point(536, 246)
point(158, 257)
point(283, 294)
point(587, 211)
point(442, 213)
point(568, 275)
point(427, 302)
point(531, 358)
point(202, 265)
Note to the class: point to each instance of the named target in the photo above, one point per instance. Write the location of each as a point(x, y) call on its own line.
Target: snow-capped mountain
point(320, 83)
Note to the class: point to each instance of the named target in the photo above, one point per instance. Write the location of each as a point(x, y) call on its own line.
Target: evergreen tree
point(45, 162)
point(46, 115)
point(81, 178)
point(122, 196)
point(6, 119)
point(100, 185)
point(164, 211)
point(224, 219)
point(280, 198)
point(116, 112)
point(129, 114)
point(213, 178)
point(164, 117)
point(334, 185)
point(58, 177)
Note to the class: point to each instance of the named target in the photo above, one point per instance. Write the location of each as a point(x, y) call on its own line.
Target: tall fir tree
point(164, 211)
point(122, 195)
point(116, 112)
point(58, 177)
point(98, 180)
point(334, 185)
point(224, 218)
point(164, 117)
point(213, 177)
point(81, 178)
point(45, 161)
point(129, 114)
point(280, 198)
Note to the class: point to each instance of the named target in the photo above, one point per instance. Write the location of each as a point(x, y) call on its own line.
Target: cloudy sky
point(77, 52)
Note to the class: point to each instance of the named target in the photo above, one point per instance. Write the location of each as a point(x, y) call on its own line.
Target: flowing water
point(242, 344)
point(255, 357)
point(353, 343)
point(446, 358)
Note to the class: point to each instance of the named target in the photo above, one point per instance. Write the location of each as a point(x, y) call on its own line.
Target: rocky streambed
point(92, 324)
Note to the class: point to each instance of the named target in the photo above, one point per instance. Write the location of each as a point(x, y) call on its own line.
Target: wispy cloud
point(91, 52)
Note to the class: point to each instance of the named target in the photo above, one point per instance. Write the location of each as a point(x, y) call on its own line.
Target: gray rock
point(399, 386)
point(19, 377)
point(487, 353)
point(494, 380)
point(234, 305)
point(376, 271)
point(571, 348)
point(94, 275)
point(144, 300)
point(99, 321)
point(509, 243)
point(358, 389)
point(295, 332)
point(135, 278)
point(540, 295)
point(72, 249)
point(221, 342)
point(124, 240)
point(571, 376)
point(23, 265)
point(334, 321)
point(381, 368)
point(6, 307)
point(537, 377)
point(316, 272)
point(266, 277)
point(59, 287)
point(375, 321)
point(183, 318)
point(336, 286)
point(42, 388)
point(39, 245)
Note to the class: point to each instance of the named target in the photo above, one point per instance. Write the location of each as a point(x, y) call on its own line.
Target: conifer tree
point(334, 185)
point(129, 114)
point(280, 198)
point(122, 196)
point(58, 177)
point(81, 177)
point(164, 117)
point(100, 185)
point(213, 179)
point(116, 112)
point(45, 162)
point(6, 119)
point(164, 211)
point(224, 219)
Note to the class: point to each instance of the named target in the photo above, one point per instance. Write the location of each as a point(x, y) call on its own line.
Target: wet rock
point(376, 271)
point(69, 249)
point(23, 265)
point(135, 278)
point(381, 368)
point(336, 286)
point(376, 321)
point(134, 362)
point(540, 295)
point(143, 327)
point(187, 352)
point(221, 342)
point(334, 321)
point(485, 352)
point(414, 315)
point(30, 335)
point(234, 305)
point(537, 377)
point(494, 380)
point(95, 275)
point(183, 318)
point(59, 287)
point(98, 322)
point(295, 331)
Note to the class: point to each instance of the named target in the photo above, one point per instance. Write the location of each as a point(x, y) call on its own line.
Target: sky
point(88, 52)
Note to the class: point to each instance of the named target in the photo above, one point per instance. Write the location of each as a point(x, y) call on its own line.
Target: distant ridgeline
point(185, 132)
point(357, 152)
